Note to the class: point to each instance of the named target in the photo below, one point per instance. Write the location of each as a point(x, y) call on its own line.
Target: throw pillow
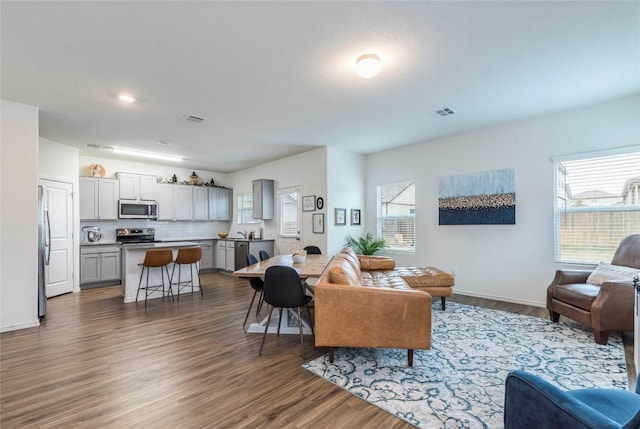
point(605, 272)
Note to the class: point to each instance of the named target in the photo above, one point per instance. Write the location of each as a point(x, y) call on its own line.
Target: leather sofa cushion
point(342, 272)
point(353, 261)
point(376, 263)
point(384, 282)
point(419, 277)
point(580, 295)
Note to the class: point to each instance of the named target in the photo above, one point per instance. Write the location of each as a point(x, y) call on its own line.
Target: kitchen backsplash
point(164, 229)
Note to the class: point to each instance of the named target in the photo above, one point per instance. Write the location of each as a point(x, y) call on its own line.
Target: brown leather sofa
point(604, 308)
point(361, 302)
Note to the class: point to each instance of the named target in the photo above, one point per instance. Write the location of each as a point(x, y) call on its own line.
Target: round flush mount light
point(126, 98)
point(368, 65)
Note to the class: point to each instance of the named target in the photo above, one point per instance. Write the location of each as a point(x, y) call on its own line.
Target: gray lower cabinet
point(99, 264)
point(206, 263)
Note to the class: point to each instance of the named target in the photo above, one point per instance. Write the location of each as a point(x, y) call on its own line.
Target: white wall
point(505, 262)
point(18, 216)
point(346, 189)
point(60, 162)
point(307, 170)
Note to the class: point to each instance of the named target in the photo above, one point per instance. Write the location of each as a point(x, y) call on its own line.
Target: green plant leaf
point(367, 245)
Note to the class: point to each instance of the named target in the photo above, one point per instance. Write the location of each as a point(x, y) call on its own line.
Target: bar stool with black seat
point(155, 258)
point(264, 255)
point(257, 284)
point(313, 250)
point(187, 256)
point(282, 289)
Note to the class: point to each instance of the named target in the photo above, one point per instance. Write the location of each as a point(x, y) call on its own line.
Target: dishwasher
point(241, 252)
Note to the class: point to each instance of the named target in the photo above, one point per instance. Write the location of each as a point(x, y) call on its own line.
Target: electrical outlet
point(452, 271)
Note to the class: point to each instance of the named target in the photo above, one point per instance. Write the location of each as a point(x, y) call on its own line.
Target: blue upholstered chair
point(532, 403)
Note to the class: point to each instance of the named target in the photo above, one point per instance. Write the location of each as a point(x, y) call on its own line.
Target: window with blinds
point(396, 215)
point(245, 208)
point(597, 204)
point(289, 224)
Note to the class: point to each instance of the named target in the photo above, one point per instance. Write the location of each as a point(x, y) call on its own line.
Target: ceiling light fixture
point(121, 151)
point(126, 98)
point(368, 65)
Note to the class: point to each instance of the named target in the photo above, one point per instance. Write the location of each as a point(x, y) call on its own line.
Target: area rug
point(459, 382)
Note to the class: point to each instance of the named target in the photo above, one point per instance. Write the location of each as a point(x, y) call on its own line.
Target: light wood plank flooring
point(96, 362)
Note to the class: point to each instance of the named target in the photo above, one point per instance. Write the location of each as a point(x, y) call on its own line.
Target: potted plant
point(367, 245)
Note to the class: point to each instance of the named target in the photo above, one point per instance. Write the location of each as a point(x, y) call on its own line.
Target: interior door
point(58, 227)
point(289, 215)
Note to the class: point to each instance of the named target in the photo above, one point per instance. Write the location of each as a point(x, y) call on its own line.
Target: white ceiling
point(276, 78)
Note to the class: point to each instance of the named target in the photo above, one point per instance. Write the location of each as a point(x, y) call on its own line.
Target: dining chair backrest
point(313, 250)
point(282, 287)
point(256, 282)
point(264, 255)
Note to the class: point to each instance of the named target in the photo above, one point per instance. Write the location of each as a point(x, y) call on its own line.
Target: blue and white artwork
point(483, 198)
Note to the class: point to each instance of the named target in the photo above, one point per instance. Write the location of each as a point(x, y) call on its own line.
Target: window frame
point(380, 218)
point(281, 218)
point(241, 201)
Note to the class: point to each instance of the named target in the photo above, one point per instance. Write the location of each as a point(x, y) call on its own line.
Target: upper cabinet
point(220, 200)
point(98, 198)
point(263, 199)
point(138, 186)
point(185, 202)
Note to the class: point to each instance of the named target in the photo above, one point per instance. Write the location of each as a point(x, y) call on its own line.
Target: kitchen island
point(133, 254)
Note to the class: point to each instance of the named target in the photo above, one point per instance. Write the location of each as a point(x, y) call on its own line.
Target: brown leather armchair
point(604, 308)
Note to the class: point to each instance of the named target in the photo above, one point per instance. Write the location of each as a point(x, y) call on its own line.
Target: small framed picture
point(319, 203)
point(341, 216)
point(355, 216)
point(309, 203)
point(318, 223)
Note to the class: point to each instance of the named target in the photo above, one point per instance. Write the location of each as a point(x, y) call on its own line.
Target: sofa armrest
point(563, 277)
point(370, 262)
point(531, 403)
point(358, 316)
point(612, 310)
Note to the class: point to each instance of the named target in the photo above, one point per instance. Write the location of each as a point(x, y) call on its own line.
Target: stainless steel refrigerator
point(44, 251)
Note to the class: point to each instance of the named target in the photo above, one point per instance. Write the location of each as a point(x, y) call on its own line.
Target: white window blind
point(396, 214)
point(288, 222)
point(597, 205)
point(245, 208)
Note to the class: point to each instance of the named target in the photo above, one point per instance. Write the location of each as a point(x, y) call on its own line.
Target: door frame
point(280, 241)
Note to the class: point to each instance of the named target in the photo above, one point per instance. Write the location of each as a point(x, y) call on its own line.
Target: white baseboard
point(34, 324)
point(501, 298)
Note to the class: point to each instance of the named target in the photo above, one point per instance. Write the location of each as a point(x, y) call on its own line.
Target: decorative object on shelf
point(212, 183)
point(367, 245)
point(174, 179)
point(318, 223)
point(319, 203)
point(96, 170)
point(309, 203)
point(193, 179)
point(355, 216)
point(341, 216)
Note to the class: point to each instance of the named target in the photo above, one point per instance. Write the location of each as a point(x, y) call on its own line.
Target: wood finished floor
point(96, 362)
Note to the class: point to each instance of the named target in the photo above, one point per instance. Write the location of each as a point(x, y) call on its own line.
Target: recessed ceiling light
point(126, 98)
point(121, 151)
point(368, 65)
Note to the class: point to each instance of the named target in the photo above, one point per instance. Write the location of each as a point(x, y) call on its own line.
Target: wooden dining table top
point(312, 266)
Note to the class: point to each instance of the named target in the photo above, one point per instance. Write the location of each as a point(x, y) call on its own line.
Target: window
point(288, 221)
point(597, 204)
point(245, 208)
point(396, 215)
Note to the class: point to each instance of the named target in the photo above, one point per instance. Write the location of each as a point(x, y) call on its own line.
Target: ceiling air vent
point(192, 118)
point(92, 146)
point(445, 111)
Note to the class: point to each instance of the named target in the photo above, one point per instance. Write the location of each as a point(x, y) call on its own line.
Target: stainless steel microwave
point(128, 209)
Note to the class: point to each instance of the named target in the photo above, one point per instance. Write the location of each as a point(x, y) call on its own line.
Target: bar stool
point(187, 256)
point(155, 258)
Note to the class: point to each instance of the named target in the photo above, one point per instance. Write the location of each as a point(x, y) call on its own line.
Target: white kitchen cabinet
point(200, 203)
point(220, 201)
point(98, 198)
point(206, 262)
point(230, 256)
point(138, 186)
point(183, 202)
point(99, 264)
point(225, 251)
point(165, 202)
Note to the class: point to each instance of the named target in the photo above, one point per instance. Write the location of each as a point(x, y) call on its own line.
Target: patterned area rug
point(459, 382)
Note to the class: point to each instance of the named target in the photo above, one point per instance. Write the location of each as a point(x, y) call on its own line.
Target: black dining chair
point(257, 284)
point(313, 250)
point(264, 255)
point(282, 289)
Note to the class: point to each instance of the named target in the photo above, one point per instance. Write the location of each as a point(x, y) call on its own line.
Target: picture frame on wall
point(355, 216)
point(318, 223)
point(309, 203)
point(341, 216)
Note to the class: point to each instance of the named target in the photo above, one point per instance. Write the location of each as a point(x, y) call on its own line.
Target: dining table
point(308, 270)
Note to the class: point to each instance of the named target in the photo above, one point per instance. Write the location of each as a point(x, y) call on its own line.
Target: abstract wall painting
point(484, 198)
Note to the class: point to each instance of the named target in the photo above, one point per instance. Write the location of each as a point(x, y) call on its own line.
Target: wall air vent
point(445, 111)
point(192, 118)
